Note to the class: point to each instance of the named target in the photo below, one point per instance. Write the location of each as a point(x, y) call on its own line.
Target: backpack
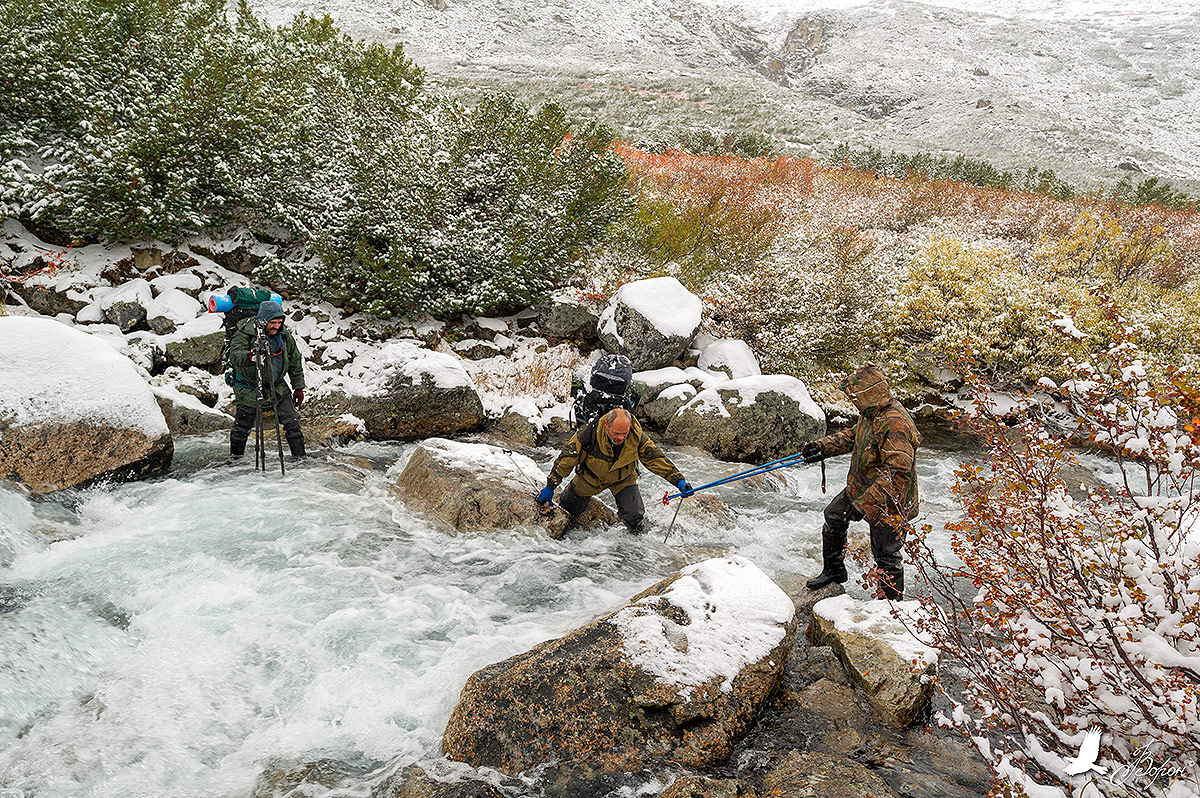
point(611, 384)
point(239, 303)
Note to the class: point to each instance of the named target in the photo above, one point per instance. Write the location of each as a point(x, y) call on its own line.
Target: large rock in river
point(73, 410)
point(675, 676)
point(405, 392)
point(881, 656)
point(753, 419)
point(474, 486)
point(651, 321)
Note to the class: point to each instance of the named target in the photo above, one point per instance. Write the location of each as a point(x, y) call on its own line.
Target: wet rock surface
point(583, 699)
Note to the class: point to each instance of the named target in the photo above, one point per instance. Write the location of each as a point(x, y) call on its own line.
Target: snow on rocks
point(731, 357)
point(125, 305)
point(73, 410)
point(197, 342)
point(752, 419)
point(881, 656)
point(675, 676)
point(187, 415)
point(567, 316)
point(651, 321)
point(170, 309)
point(404, 392)
point(187, 282)
point(474, 487)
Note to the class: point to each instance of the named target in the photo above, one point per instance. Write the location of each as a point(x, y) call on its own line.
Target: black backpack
point(611, 384)
point(245, 302)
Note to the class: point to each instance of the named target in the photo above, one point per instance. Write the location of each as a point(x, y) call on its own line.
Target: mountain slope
point(1080, 88)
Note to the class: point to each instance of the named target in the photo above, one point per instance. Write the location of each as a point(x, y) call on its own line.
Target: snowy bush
point(136, 119)
point(1073, 611)
point(455, 211)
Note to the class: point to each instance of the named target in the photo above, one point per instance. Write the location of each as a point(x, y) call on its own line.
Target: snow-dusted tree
point(1073, 609)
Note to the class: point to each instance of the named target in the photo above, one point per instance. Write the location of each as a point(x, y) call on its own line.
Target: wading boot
point(833, 553)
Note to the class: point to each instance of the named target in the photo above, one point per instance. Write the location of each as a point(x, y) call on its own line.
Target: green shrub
point(709, 141)
point(457, 211)
point(938, 167)
point(133, 119)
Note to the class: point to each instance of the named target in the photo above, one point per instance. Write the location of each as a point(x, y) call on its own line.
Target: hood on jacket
point(867, 388)
point(270, 309)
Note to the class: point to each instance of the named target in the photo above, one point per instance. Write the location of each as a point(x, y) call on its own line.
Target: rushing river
point(176, 637)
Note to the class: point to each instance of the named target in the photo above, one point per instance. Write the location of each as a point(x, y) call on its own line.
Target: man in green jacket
point(282, 358)
point(881, 485)
point(604, 455)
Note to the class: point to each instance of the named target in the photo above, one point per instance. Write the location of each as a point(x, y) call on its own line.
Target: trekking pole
point(275, 411)
point(260, 454)
point(672, 524)
point(774, 465)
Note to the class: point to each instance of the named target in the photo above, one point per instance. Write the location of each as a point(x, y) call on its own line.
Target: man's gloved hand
point(854, 514)
point(684, 488)
point(298, 397)
point(812, 452)
point(545, 494)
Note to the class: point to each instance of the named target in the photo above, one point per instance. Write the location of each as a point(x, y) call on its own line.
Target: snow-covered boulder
point(753, 419)
point(197, 342)
point(476, 349)
point(566, 317)
point(892, 667)
point(125, 305)
point(171, 309)
point(189, 283)
point(662, 408)
point(187, 415)
point(73, 410)
point(651, 321)
point(404, 392)
point(674, 676)
point(731, 357)
point(485, 328)
point(474, 487)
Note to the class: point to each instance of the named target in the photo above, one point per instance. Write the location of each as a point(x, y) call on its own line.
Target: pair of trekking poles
point(774, 465)
point(261, 359)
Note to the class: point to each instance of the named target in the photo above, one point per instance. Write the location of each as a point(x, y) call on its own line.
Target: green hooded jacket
point(597, 468)
point(240, 346)
point(882, 482)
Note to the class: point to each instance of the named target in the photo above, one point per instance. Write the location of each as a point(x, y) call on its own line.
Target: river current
point(178, 636)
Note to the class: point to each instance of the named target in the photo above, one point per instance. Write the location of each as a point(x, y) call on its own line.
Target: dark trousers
point(289, 419)
point(886, 543)
point(630, 509)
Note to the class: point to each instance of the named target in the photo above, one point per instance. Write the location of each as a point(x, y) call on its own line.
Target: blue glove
point(545, 494)
point(684, 488)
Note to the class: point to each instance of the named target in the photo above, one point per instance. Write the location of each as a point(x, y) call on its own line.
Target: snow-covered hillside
point(1085, 88)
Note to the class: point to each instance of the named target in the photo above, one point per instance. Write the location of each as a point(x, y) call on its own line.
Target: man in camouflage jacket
point(881, 485)
point(604, 455)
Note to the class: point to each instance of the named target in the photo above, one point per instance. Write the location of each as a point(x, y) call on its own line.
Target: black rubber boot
point(833, 554)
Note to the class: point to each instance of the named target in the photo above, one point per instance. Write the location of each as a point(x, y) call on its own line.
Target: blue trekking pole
point(774, 465)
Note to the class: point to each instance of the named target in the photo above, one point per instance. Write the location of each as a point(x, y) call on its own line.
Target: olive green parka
point(240, 346)
point(882, 481)
point(597, 468)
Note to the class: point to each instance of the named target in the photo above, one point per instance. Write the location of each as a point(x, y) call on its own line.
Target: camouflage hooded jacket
point(882, 481)
point(598, 467)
